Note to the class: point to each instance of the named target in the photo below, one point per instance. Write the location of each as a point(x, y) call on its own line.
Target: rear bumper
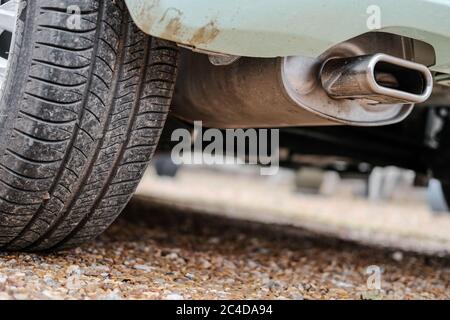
point(270, 28)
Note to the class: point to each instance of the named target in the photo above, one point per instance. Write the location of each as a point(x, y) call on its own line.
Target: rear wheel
point(83, 99)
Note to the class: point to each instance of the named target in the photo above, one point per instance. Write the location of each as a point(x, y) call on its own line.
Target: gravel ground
point(154, 252)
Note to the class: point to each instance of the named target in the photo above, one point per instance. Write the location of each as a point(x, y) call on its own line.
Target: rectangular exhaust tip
point(380, 78)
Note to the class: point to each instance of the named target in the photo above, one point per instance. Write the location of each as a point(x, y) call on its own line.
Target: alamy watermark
point(374, 277)
point(374, 20)
point(74, 20)
point(227, 147)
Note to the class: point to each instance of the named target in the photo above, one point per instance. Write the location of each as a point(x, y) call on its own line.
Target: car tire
point(82, 110)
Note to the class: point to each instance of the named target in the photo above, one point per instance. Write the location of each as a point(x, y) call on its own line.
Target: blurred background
point(382, 206)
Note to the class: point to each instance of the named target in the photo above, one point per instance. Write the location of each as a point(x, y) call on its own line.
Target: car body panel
point(271, 28)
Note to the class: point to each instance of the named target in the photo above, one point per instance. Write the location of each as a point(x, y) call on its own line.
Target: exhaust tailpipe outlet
point(379, 78)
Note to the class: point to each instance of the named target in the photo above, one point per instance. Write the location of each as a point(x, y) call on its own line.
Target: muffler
point(380, 78)
point(351, 84)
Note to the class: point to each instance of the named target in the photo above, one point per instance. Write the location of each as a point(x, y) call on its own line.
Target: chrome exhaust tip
point(379, 78)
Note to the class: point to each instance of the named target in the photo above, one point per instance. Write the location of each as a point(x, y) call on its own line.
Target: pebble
point(3, 279)
point(252, 264)
point(190, 276)
point(111, 296)
point(397, 256)
point(50, 281)
point(73, 270)
point(205, 264)
point(174, 296)
point(172, 256)
point(143, 267)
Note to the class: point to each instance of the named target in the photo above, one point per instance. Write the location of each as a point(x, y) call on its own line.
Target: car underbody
point(241, 74)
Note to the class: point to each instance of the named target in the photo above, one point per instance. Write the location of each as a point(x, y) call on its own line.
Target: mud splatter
point(172, 29)
point(205, 34)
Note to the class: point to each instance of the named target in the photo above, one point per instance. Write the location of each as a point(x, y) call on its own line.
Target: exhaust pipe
point(379, 78)
point(362, 87)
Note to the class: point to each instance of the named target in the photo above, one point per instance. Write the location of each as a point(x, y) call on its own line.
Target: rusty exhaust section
point(351, 84)
point(381, 78)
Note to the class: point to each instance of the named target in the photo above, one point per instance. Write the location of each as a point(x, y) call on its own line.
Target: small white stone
point(111, 296)
point(174, 296)
point(397, 256)
point(3, 279)
point(143, 267)
point(73, 270)
point(172, 256)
